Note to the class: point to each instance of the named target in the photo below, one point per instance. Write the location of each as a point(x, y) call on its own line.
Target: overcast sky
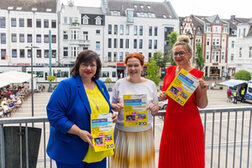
point(224, 8)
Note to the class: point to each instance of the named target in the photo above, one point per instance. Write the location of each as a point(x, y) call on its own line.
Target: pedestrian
point(243, 90)
point(235, 97)
point(134, 145)
point(229, 94)
point(182, 141)
point(69, 110)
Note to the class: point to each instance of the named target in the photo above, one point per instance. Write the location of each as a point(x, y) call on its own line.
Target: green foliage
point(242, 75)
point(108, 80)
point(172, 40)
point(153, 72)
point(160, 59)
point(200, 61)
point(51, 78)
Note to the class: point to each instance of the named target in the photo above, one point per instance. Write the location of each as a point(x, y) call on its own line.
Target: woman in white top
point(134, 146)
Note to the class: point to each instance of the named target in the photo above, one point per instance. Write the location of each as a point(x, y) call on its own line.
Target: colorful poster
point(135, 110)
point(182, 87)
point(102, 131)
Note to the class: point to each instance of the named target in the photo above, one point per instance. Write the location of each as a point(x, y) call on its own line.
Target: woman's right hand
point(86, 137)
point(117, 107)
point(163, 95)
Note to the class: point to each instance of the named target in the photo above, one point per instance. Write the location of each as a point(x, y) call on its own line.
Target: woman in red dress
point(182, 141)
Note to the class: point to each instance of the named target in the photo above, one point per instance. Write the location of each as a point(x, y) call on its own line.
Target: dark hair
point(139, 56)
point(87, 56)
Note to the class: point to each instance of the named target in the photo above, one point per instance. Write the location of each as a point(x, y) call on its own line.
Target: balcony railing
point(227, 137)
point(216, 47)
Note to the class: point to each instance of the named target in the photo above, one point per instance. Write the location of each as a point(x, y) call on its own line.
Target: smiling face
point(87, 70)
point(181, 56)
point(134, 68)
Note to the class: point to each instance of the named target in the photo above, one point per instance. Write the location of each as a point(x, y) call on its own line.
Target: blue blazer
point(69, 105)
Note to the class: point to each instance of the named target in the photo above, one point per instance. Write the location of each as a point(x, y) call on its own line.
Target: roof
point(158, 8)
point(90, 10)
point(27, 5)
point(233, 82)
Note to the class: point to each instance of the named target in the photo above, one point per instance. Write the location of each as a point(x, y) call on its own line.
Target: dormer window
point(141, 6)
point(115, 13)
point(85, 19)
point(98, 20)
point(19, 8)
point(148, 6)
point(135, 6)
point(10, 8)
point(34, 9)
point(164, 16)
point(48, 10)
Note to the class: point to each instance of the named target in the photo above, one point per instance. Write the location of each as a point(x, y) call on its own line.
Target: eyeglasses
point(180, 53)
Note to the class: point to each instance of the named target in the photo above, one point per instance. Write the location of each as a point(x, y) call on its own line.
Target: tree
point(171, 41)
point(200, 61)
point(242, 75)
point(160, 59)
point(153, 72)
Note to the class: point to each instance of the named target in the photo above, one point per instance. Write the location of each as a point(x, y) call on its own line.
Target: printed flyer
point(182, 87)
point(102, 131)
point(135, 110)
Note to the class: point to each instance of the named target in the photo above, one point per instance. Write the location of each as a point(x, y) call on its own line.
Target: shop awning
point(233, 82)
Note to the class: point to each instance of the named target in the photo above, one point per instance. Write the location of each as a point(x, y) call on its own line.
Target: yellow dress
point(96, 99)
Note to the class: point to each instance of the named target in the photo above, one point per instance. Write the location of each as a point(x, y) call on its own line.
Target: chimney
point(232, 17)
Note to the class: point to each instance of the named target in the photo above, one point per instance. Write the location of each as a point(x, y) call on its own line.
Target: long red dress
point(182, 141)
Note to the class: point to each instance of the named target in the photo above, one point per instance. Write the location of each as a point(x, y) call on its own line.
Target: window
point(109, 29)
point(46, 23)
point(121, 43)
point(150, 30)
point(85, 20)
point(213, 55)
point(70, 20)
point(65, 51)
point(3, 54)
point(233, 43)
point(98, 45)
point(217, 41)
point(208, 29)
point(155, 44)
point(115, 29)
point(109, 43)
point(121, 29)
point(38, 53)
point(38, 23)
point(29, 38)
point(74, 34)
point(240, 52)
point(149, 57)
point(115, 56)
point(222, 55)
point(109, 56)
point(53, 23)
point(115, 43)
point(232, 57)
point(85, 35)
point(65, 35)
point(21, 53)
point(217, 56)
point(14, 53)
point(13, 37)
point(127, 30)
point(46, 38)
point(54, 53)
point(21, 22)
point(127, 43)
point(98, 20)
point(2, 22)
point(207, 55)
point(29, 53)
point(98, 32)
point(29, 22)
point(21, 38)
point(208, 41)
point(155, 31)
point(135, 30)
point(121, 56)
point(65, 20)
point(46, 53)
point(3, 38)
point(135, 43)
point(250, 52)
point(54, 38)
point(140, 43)
point(13, 22)
point(150, 44)
point(140, 30)
point(38, 38)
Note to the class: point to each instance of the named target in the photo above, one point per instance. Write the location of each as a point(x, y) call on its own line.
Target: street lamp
point(32, 103)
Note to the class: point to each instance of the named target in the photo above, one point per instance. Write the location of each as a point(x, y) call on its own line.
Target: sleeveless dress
point(182, 141)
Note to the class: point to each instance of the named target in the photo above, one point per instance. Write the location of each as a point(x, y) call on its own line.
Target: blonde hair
point(185, 41)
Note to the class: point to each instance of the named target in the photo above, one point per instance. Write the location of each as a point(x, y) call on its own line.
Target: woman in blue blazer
point(69, 110)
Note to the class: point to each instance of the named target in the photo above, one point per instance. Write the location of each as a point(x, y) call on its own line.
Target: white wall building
point(136, 26)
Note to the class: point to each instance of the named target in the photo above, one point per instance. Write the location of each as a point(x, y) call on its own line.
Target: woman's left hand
point(114, 118)
point(203, 85)
point(153, 108)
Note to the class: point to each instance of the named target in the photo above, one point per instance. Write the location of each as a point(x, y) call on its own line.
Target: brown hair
point(87, 56)
point(183, 40)
point(139, 56)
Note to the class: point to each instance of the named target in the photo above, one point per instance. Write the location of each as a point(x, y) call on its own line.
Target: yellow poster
point(182, 87)
point(135, 110)
point(102, 131)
